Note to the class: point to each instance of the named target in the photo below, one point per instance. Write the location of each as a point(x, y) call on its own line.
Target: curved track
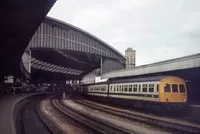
point(30, 119)
point(33, 120)
point(174, 126)
point(96, 125)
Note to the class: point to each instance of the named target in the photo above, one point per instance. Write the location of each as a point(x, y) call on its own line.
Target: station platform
point(194, 110)
point(195, 105)
point(7, 104)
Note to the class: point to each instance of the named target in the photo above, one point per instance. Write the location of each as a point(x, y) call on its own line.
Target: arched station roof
point(62, 44)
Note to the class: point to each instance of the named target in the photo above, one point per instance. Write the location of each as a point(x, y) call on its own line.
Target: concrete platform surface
point(195, 105)
point(7, 104)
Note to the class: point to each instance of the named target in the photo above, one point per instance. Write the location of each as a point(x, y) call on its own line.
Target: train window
point(151, 87)
point(130, 88)
point(114, 88)
point(174, 88)
point(125, 88)
point(144, 88)
point(134, 88)
point(117, 87)
point(167, 88)
point(111, 88)
point(182, 88)
point(122, 88)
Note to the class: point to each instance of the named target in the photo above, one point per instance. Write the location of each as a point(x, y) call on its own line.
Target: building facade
point(130, 58)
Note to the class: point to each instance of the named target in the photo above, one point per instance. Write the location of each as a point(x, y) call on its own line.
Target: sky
point(157, 29)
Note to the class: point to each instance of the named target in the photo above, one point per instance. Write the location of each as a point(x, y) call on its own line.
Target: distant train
point(168, 92)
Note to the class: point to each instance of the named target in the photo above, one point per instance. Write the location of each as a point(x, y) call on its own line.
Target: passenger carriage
point(149, 92)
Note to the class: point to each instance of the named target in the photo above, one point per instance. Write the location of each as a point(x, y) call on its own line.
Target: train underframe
point(140, 104)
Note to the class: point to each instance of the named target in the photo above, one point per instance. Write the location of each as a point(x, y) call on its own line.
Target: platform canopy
point(184, 64)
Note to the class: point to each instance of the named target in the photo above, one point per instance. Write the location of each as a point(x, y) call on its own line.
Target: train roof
point(99, 83)
point(129, 80)
point(140, 79)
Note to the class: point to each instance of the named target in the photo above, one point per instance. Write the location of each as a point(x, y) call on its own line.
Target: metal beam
point(53, 68)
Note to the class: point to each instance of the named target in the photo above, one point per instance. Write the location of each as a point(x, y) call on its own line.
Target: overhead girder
point(48, 56)
point(52, 56)
point(86, 62)
point(53, 68)
point(70, 57)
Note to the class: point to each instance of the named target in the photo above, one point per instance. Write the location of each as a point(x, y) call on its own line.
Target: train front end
point(173, 92)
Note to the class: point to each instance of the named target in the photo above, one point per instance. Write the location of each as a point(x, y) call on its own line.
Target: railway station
point(79, 53)
point(80, 81)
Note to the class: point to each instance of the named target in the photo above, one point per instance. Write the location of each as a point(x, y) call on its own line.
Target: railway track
point(98, 126)
point(176, 126)
point(32, 121)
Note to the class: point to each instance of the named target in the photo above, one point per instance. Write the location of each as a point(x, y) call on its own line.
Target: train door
point(165, 91)
point(138, 102)
point(155, 88)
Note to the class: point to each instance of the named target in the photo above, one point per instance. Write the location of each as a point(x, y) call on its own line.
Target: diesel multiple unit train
point(148, 92)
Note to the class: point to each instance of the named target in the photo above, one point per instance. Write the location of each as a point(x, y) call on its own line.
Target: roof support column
point(29, 62)
point(101, 66)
